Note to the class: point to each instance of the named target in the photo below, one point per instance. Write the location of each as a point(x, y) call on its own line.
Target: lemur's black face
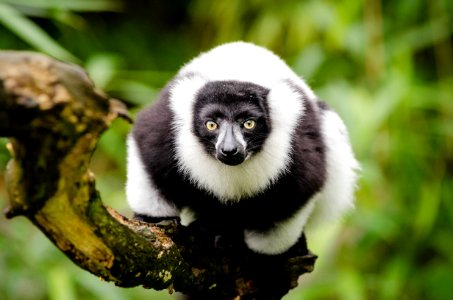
point(231, 120)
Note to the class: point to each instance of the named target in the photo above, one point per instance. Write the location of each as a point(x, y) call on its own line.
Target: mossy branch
point(54, 117)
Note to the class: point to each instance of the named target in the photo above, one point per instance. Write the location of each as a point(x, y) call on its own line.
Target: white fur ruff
point(246, 62)
point(237, 61)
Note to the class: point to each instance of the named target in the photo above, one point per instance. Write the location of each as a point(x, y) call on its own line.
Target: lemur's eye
point(211, 125)
point(249, 124)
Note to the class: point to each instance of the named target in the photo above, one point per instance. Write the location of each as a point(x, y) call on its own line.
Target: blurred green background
point(385, 66)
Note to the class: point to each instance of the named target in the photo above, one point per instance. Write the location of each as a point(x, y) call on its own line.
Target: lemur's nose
point(229, 151)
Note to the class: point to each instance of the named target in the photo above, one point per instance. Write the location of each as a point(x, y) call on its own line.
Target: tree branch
point(54, 116)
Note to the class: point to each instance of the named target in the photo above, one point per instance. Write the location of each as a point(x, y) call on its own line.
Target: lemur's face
point(231, 120)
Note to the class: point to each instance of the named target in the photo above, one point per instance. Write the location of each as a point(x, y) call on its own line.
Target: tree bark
point(54, 116)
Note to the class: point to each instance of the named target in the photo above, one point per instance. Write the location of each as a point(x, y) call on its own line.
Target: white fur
point(142, 196)
point(282, 236)
point(253, 175)
point(337, 194)
point(187, 216)
point(247, 62)
point(243, 62)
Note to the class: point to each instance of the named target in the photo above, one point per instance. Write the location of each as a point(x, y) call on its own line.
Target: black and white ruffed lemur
point(237, 139)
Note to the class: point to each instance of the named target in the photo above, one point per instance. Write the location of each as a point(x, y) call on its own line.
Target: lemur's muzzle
point(230, 146)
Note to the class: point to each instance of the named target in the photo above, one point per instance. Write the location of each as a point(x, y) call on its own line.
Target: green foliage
point(385, 66)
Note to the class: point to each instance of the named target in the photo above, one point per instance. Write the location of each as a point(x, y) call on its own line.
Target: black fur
point(150, 219)
point(234, 101)
point(323, 105)
point(155, 138)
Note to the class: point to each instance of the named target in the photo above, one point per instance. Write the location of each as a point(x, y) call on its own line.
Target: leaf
point(32, 34)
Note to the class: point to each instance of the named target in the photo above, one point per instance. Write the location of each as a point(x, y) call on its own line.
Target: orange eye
point(211, 125)
point(249, 124)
